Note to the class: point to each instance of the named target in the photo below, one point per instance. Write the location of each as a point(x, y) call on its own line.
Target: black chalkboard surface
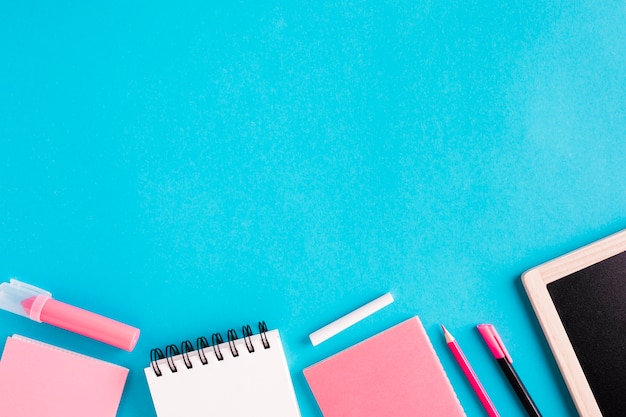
point(580, 301)
point(592, 306)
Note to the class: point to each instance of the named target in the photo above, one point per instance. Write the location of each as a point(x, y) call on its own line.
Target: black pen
point(488, 332)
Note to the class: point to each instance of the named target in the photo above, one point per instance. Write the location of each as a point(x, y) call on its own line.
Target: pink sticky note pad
point(395, 373)
point(37, 379)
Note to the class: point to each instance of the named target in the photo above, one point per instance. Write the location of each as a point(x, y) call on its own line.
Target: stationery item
point(350, 319)
point(499, 352)
point(579, 301)
point(37, 379)
point(37, 304)
point(245, 376)
point(471, 376)
point(394, 373)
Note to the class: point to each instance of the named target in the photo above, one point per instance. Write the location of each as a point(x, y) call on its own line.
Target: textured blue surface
point(191, 167)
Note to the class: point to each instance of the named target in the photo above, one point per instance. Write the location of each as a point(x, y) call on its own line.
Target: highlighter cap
point(14, 292)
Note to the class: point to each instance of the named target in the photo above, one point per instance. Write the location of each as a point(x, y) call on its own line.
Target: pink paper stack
point(395, 373)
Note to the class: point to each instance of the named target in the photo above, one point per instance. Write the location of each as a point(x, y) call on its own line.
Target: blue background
point(190, 167)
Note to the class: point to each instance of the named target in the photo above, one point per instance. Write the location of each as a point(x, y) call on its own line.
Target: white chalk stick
point(348, 320)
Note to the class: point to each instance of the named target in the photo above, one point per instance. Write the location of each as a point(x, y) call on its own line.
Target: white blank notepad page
point(251, 384)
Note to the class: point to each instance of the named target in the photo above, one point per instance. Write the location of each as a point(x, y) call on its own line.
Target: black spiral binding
point(202, 343)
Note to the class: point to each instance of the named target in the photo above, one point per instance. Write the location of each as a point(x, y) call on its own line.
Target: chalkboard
point(580, 301)
point(592, 306)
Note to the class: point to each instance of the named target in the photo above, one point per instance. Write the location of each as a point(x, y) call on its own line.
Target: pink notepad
point(395, 373)
point(37, 379)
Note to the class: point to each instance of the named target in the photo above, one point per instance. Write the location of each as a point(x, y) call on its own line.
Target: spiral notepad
point(245, 376)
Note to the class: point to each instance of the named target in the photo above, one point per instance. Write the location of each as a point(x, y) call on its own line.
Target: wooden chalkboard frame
point(536, 281)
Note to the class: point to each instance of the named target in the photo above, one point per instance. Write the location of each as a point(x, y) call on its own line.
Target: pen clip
point(494, 342)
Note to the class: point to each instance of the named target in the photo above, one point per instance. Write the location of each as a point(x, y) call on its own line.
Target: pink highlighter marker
point(37, 304)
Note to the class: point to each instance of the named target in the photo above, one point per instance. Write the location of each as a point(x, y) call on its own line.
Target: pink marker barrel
point(84, 322)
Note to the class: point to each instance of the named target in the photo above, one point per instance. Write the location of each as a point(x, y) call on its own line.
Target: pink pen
point(37, 304)
point(470, 374)
point(499, 352)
